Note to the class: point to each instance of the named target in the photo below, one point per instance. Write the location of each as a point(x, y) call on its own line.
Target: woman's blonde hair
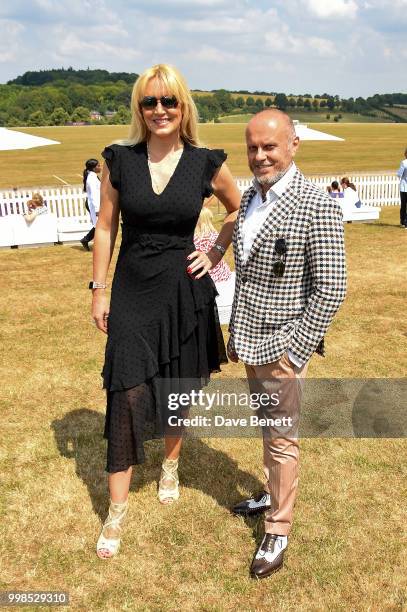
point(205, 225)
point(37, 199)
point(173, 83)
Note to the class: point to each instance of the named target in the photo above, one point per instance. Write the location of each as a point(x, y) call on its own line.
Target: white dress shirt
point(402, 174)
point(93, 195)
point(258, 211)
point(256, 214)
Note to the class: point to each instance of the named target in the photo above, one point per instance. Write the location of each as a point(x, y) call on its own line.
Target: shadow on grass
point(381, 224)
point(79, 436)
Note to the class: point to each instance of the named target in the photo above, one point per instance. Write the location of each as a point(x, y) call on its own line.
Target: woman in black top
point(163, 332)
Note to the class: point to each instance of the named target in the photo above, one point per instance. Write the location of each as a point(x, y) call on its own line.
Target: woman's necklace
point(161, 172)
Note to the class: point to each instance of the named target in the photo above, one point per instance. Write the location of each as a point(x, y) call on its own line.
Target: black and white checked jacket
point(271, 314)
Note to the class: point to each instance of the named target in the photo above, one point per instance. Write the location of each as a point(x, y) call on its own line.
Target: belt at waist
point(132, 235)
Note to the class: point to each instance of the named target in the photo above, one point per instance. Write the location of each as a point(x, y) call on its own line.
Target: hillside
point(66, 96)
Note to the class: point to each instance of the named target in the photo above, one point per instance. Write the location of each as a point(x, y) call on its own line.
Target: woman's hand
point(100, 309)
point(203, 261)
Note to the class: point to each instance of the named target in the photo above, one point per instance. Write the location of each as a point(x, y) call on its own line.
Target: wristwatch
point(219, 248)
point(96, 285)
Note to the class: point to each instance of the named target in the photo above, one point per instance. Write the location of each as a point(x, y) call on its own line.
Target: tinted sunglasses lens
point(149, 102)
point(278, 268)
point(280, 246)
point(169, 101)
point(166, 101)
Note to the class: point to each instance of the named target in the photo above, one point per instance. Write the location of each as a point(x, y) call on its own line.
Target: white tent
point(11, 140)
point(306, 133)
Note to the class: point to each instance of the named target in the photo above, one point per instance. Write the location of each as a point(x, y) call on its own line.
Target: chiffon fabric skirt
point(164, 337)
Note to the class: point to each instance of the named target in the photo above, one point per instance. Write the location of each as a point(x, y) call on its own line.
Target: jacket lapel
point(280, 211)
point(238, 239)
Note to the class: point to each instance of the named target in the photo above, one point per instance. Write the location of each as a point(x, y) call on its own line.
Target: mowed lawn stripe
point(368, 147)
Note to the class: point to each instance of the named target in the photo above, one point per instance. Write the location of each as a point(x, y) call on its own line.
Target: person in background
point(91, 184)
point(36, 206)
point(402, 174)
point(335, 190)
point(204, 239)
point(350, 192)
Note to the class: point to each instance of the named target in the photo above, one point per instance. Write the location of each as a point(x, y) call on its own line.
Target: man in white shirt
point(402, 174)
point(290, 281)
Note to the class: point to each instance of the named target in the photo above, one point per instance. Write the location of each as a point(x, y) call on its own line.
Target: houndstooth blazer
point(272, 314)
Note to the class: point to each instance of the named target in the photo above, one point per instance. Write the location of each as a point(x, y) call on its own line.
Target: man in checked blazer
point(290, 281)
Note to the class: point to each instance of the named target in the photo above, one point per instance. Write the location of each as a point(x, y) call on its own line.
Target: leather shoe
point(85, 244)
point(255, 505)
point(270, 556)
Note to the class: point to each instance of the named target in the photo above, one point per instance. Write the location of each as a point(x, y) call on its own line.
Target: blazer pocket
point(291, 308)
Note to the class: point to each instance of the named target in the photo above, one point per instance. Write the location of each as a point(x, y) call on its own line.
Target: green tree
point(300, 102)
point(315, 105)
point(59, 117)
point(123, 116)
point(281, 101)
point(203, 113)
point(80, 113)
point(239, 102)
point(13, 121)
point(225, 100)
point(208, 107)
point(268, 102)
point(307, 104)
point(18, 113)
point(3, 118)
point(37, 118)
point(259, 104)
point(250, 101)
point(330, 103)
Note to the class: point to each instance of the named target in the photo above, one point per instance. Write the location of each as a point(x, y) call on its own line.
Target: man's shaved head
point(271, 145)
point(273, 115)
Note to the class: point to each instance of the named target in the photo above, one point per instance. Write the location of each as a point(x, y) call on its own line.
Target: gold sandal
point(168, 490)
point(109, 539)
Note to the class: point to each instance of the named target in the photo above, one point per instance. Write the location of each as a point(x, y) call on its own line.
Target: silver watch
point(219, 248)
point(96, 285)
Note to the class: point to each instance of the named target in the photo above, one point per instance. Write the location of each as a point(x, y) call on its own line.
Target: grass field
point(367, 148)
point(313, 117)
point(346, 549)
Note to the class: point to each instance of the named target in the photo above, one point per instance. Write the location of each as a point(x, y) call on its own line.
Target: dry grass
point(346, 550)
point(367, 147)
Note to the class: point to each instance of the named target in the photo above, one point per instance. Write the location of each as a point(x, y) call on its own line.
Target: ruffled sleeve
point(214, 160)
point(112, 157)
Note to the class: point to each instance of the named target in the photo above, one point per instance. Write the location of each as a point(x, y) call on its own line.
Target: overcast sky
point(345, 47)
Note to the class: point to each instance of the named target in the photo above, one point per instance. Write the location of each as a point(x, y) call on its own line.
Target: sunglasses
point(280, 249)
point(150, 102)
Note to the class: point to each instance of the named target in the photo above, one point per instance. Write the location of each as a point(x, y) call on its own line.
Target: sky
point(345, 47)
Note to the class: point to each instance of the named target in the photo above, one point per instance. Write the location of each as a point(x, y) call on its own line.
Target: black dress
point(163, 333)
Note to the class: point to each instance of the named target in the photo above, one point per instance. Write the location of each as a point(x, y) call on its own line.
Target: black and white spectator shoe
point(255, 505)
point(270, 556)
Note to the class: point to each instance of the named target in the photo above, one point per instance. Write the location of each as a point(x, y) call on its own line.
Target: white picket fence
point(373, 189)
point(67, 204)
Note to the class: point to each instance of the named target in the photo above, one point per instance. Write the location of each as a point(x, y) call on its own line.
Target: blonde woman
point(204, 239)
point(36, 206)
point(161, 321)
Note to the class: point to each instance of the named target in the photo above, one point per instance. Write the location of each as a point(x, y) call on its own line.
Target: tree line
point(64, 96)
